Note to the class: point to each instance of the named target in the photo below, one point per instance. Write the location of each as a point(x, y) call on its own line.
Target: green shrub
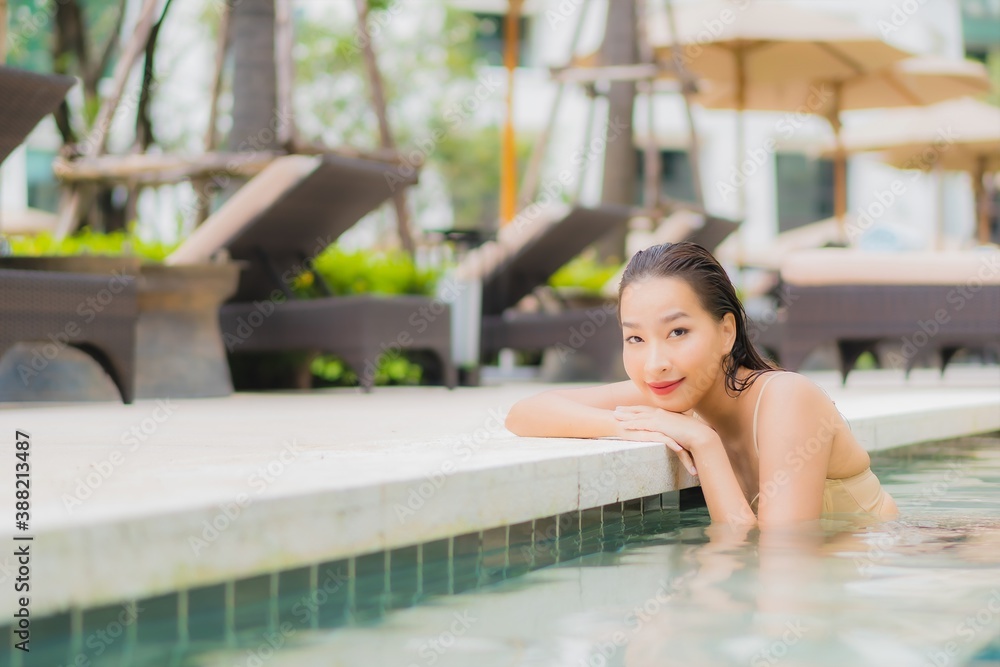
point(366, 272)
point(585, 273)
point(87, 242)
point(398, 370)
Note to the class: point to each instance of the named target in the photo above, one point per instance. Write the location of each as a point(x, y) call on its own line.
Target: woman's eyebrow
point(673, 316)
point(663, 320)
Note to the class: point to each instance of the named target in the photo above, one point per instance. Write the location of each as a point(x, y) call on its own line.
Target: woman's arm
point(573, 413)
point(723, 495)
point(795, 431)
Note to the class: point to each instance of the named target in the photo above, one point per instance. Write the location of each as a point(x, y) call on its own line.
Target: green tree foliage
point(993, 65)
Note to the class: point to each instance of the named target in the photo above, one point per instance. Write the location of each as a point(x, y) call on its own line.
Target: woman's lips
point(663, 388)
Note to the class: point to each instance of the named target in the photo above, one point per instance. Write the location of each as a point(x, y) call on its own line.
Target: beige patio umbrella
point(907, 83)
point(745, 46)
point(958, 135)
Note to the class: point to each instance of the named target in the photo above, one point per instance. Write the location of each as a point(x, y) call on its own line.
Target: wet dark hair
point(696, 266)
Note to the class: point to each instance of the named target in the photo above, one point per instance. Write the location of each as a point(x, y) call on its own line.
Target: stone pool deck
point(133, 501)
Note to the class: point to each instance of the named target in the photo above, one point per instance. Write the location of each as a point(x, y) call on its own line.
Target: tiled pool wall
point(348, 591)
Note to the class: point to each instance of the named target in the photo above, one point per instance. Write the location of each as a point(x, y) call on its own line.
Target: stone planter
point(179, 352)
point(74, 264)
point(179, 349)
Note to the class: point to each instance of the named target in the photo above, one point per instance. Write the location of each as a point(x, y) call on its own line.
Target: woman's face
point(673, 348)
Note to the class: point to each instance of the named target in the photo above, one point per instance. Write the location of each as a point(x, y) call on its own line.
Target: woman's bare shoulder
point(792, 392)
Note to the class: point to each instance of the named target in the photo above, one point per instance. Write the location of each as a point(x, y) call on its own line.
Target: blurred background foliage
point(87, 242)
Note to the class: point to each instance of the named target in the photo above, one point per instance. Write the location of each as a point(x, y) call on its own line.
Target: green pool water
point(643, 585)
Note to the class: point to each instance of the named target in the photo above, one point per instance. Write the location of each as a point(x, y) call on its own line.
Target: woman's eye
point(629, 339)
point(679, 332)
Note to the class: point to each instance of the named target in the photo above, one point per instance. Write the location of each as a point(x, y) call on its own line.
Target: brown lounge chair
point(274, 225)
point(523, 258)
point(93, 313)
point(926, 302)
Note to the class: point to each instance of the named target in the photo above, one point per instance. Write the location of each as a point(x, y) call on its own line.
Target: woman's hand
point(681, 433)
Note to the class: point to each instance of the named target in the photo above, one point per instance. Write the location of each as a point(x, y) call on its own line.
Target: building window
point(980, 27)
point(43, 189)
point(490, 34)
point(805, 190)
point(676, 180)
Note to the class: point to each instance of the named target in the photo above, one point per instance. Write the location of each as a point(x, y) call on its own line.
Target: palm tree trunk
point(255, 87)
point(385, 133)
point(619, 48)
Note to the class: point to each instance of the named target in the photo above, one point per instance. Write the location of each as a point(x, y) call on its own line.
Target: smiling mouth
point(664, 387)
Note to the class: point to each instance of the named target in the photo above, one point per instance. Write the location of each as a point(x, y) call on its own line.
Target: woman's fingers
point(687, 460)
point(634, 409)
point(685, 457)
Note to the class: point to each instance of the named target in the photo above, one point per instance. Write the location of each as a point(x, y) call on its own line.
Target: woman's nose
point(657, 363)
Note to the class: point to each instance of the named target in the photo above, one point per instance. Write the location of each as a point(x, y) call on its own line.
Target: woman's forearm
point(723, 495)
point(549, 415)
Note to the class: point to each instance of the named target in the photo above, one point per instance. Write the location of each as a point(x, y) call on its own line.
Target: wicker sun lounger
point(27, 98)
point(94, 313)
point(278, 222)
point(526, 253)
point(924, 302)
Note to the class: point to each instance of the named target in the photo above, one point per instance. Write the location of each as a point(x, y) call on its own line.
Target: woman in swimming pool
point(697, 385)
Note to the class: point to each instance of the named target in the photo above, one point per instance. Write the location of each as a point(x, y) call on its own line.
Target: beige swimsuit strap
point(756, 408)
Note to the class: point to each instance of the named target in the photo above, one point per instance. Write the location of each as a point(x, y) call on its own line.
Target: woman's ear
point(728, 332)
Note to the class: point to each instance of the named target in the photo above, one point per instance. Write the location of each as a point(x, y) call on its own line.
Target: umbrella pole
point(688, 88)
point(508, 167)
point(741, 149)
point(939, 197)
point(982, 204)
point(839, 166)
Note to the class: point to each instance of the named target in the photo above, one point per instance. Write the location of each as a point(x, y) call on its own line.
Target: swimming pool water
point(656, 589)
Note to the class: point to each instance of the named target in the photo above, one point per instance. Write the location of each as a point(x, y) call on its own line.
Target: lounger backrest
point(27, 98)
point(289, 213)
point(533, 247)
point(843, 266)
